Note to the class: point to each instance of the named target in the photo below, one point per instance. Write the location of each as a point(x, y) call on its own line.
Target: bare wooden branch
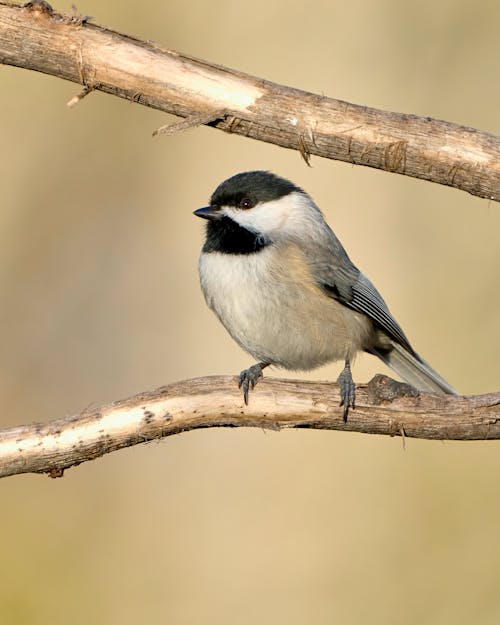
point(383, 407)
point(35, 37)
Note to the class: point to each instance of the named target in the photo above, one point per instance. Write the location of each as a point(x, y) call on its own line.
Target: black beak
point(208, 212)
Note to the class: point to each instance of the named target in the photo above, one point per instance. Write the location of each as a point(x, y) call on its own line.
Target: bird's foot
point(249, 378)
point(347, 390)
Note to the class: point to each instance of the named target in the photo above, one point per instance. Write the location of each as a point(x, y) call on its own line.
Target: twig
point(383, 407)
point(36, 37)
point(75, 99)
point(192, 121)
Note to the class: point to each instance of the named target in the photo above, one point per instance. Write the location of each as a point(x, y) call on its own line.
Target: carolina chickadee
point(285, 289)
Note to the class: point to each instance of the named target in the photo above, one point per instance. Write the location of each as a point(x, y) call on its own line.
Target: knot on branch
point(40, 7)
point(382, 389)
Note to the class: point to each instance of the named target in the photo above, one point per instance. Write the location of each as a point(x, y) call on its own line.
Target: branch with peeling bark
point(384, 406)
point(35, 37)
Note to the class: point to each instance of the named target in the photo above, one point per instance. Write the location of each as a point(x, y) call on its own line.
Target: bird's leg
point(249, 378)
point(347, 389)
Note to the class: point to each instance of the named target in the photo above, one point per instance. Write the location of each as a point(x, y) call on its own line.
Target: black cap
point(258, 186)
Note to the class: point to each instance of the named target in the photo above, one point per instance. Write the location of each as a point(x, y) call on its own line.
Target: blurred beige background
point(100, 299)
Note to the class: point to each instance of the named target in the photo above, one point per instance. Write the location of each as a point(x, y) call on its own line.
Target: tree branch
point(35, 37)
point(384, 406)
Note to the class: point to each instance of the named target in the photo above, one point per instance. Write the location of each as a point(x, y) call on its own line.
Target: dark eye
point(247, 203)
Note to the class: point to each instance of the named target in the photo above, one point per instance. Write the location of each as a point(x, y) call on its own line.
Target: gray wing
point(343, 281)
point(340, 279)
point(366, 299)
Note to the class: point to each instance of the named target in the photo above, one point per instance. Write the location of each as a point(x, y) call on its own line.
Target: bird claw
point(248, 379)
point(347, 390)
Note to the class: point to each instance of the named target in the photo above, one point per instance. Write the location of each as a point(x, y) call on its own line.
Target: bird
point(285, 289)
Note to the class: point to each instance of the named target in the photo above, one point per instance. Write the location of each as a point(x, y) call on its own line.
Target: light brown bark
point(35, 37)
point(382, 407)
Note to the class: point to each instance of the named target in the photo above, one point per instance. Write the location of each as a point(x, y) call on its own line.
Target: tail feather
point(414, 370)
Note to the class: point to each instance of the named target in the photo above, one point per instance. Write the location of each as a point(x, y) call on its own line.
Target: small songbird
point(285, 289)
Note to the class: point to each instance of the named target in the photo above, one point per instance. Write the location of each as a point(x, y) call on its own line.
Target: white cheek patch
point(284, 215)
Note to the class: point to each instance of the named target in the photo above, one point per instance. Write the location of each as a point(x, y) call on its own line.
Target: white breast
point(271, 306)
